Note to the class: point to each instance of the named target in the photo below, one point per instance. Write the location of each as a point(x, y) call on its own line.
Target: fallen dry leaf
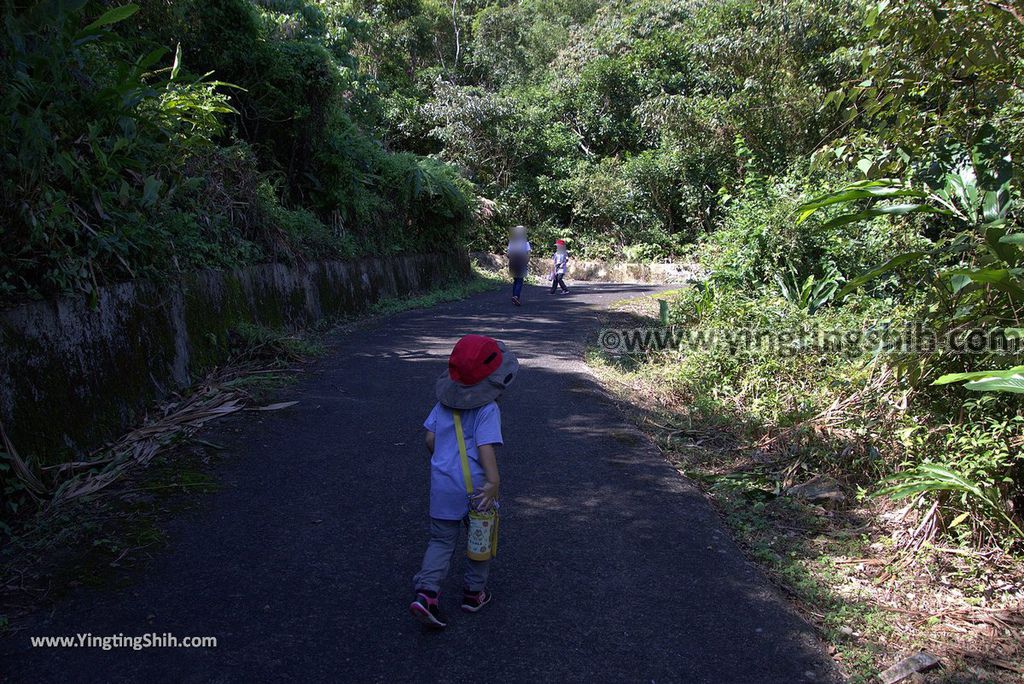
point(275, 407)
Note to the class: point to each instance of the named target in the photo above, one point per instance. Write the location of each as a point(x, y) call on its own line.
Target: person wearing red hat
point(480, 369)
point(559, 266)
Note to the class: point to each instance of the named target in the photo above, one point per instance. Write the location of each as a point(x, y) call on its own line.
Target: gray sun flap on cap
point(465, 397)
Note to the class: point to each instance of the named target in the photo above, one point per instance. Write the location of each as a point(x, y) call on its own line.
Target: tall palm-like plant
point(974, 269)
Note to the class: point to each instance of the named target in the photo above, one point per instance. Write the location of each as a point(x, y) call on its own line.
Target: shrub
point(117, 162)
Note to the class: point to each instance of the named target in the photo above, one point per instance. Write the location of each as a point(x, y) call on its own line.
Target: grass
point(843, 566)
point(482, 281)
point(787, 538)
point(260, 341)
point(783, 535)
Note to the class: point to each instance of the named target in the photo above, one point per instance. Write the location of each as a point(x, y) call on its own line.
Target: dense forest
point(835, 164)
point(159, 137)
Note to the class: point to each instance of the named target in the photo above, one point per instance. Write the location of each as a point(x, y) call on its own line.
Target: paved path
point(612, 568)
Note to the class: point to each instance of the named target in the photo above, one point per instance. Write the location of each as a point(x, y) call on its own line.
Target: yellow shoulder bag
point(482, 543)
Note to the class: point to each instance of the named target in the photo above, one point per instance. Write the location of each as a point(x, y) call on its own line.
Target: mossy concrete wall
point(600, 271)
point(73, 374)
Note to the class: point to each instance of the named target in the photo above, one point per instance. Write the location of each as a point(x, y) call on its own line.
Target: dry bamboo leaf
point(275, 407)
point(21, 469)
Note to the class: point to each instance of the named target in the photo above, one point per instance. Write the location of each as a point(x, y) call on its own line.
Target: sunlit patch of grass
point(482, 281)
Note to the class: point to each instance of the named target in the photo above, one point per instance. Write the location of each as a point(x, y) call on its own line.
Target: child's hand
point(486, 496)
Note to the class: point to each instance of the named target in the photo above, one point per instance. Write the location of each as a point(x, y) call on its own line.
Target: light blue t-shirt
point(561, 262)
point(448, 498)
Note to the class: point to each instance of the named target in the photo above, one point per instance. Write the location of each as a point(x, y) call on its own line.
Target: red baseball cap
point(559, 242)
point(473, 359)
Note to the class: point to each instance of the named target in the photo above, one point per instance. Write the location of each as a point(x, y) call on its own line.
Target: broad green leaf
point(111, 16)
point(981, 275)
point(929, 477)
point(959, 282)
point(894, 263)
point(151, 190)
point(1013, 383)
point(1000, 278)
point(978, 375)
point(994, 234)
point(889, 210)
point(856, 191)
point(993, 207)
point(871, 16)
point(152, 58)
point(1012, 239)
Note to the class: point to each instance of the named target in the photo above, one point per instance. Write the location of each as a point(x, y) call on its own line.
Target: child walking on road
point(463, 433)
point(559, 267)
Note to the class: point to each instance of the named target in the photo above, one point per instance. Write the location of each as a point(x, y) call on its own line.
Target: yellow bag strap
point(467, 476)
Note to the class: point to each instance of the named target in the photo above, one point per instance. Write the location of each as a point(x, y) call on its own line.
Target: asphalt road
point(612, 567)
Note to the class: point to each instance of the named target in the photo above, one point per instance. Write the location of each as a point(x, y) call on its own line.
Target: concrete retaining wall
point(73, 375)
point(600, 271)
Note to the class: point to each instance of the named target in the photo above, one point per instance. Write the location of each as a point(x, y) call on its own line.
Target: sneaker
point(565, 291)
point(473, 601)
point(426, 609)
point(515, 300)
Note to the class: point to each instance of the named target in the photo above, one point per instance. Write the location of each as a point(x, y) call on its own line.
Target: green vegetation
point(904, 217)
point(618, 125)
point(839, 166)
point(481, 281)
point(844, 166)
point(144, 140)
point(878, 576)
point(147, 140)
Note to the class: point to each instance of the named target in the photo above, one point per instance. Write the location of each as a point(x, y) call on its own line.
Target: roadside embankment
point(73, 372)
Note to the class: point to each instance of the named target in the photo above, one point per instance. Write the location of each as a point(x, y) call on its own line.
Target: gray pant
point(444, 543)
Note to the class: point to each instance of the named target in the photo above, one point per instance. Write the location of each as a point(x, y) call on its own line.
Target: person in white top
point(560, 264)
point(518, 261)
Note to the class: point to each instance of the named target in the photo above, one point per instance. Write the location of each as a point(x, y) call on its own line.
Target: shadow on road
point(612, 567)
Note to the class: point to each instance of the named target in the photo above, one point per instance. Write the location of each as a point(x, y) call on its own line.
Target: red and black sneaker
point(426, 609)
point(473, 601)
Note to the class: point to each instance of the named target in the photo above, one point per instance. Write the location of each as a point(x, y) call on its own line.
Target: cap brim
point(465, 397)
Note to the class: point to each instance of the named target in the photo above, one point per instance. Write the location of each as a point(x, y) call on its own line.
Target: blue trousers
point(517, 286)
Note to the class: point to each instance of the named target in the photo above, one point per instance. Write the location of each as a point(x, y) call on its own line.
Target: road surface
point(612, 567)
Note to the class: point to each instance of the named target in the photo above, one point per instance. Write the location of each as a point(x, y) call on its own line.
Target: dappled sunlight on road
point(320, 522)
